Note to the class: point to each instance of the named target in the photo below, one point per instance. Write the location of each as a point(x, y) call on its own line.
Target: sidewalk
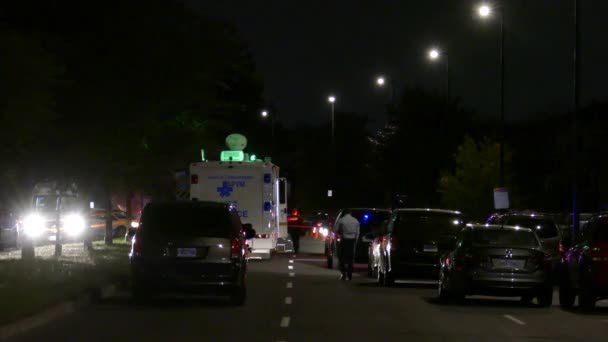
point(28, 289)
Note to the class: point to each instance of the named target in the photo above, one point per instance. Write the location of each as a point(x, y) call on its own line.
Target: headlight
point(134, 224)
point(33, 225)
point(324, 231)
point(74, 224)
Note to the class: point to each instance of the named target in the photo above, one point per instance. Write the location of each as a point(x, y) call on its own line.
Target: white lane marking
point(513, 319)
point(317, 260)
point(285, 322)
point(291, 261)
point(288, 300)
point(290, 267)
point(289, 285)
point(292, 274)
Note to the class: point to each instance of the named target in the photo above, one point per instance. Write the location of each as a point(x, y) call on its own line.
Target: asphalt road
point(298, 299)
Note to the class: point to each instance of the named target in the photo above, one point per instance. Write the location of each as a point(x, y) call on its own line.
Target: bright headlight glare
point(33, 225)
point(73, 224)
point(134, 224)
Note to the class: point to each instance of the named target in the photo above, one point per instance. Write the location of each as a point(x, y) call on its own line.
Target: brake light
point(236, 249)
point(562, 248)
point(292, 219)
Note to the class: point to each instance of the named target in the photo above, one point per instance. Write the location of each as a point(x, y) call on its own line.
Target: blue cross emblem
point(225, 190)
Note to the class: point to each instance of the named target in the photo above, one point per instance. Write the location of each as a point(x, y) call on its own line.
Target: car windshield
point(428, 224)
point(370, 220)
point(504, 237)
point(170, 221)
point(545, 228)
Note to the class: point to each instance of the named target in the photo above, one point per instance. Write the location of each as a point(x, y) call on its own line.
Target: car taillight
point(599, 254)
point(562, 248)
point(235, 249)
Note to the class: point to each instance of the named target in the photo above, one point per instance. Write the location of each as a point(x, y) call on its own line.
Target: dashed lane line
point(290, 267)
point(288, 300)
point(285, 322)
point(292, 274)
point(513, 319)
point(289, 285)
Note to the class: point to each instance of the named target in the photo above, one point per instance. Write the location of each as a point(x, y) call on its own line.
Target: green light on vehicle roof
point(253, 158)
point(228, 156)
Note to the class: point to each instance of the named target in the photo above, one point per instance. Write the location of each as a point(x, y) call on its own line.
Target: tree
point(469, 187)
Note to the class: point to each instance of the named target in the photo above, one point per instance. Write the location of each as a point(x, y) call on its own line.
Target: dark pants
point(347, 255)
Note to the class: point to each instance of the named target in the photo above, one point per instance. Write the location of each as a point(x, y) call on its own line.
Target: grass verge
point(27, 288)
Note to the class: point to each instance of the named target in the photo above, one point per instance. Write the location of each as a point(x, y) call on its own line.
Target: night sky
point(305, 50)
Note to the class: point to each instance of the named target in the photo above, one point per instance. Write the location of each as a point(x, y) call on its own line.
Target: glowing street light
point(433, 54)
point(331, 99)
point(484, 10)
point(380, 81)
point(264, 113)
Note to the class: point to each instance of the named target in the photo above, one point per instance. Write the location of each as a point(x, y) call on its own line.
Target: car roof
point(429, 210)
point(207, 204)
point(367, 209)
point(477, 226)
point(528, 213)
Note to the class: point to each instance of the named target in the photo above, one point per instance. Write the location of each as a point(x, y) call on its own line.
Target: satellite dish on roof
point(236, 142)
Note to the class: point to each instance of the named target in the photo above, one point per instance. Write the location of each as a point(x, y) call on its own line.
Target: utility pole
point(575, 142)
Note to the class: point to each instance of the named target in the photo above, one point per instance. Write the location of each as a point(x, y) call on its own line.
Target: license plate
point(430, 248)
point(508, 263)
point(186, 252)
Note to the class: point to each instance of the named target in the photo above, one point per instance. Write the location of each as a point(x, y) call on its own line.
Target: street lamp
point(382, 82)
point(485, 11)
point(265, 114)
point(332, 100)
point(435, 55)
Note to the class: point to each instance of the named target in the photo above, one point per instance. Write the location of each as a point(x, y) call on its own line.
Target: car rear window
point(545, 228)
point(179, 220)
point(428, 224)
point(370, 220)
point(506, 237)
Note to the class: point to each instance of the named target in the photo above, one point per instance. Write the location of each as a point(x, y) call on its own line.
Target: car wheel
point(545, 297)
point(586, 299)
point(566, 296)
point(239, 295)
point(527, 299)
point(443, 293)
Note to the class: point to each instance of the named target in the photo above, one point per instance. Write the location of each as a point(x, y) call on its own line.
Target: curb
point(55, 312)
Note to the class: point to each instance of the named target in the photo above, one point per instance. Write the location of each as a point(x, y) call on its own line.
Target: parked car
point(414, 241)
point(370, 221)
point(584, 271)
point(373, 251)
point(499, 261)
point(189, 248)
point(98, 222)
point(544, 226)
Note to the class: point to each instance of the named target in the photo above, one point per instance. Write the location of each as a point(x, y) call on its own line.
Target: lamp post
point(434, 55)
point(382, 81)
point(265, 114)
point(332, 102)
point(485, 11)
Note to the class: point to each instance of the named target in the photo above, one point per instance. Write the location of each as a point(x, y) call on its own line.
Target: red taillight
point(562, 248)
point(236, 249)
point(194, 179)
point(292, 219)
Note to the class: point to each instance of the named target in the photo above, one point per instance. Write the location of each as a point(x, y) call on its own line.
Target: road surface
point(298, 299)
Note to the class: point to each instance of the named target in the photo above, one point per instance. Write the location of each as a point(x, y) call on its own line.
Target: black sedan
point(499, 261)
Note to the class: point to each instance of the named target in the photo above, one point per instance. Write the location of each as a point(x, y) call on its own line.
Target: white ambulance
point(254, 188)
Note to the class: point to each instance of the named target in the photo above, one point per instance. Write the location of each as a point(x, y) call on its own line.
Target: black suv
point(189, 247)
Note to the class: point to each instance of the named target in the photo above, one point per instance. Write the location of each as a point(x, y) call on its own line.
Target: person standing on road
point(348, 229)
